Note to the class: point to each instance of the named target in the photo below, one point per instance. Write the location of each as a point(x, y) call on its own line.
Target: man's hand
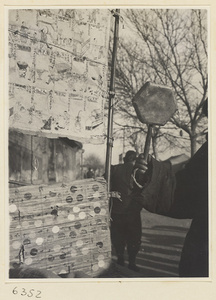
point(141, 164)
point(141, 174)
point(115, 194)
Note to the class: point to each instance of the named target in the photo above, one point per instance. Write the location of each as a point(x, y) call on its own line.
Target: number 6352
point(29, 293)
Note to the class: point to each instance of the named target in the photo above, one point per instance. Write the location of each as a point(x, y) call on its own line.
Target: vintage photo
point(108, 160)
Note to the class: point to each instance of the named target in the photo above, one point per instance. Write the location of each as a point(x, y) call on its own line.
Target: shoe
point(133, 267)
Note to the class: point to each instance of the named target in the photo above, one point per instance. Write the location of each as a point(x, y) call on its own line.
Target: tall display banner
point(58, 72)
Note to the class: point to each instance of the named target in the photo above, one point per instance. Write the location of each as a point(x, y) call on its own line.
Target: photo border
point(137, 288)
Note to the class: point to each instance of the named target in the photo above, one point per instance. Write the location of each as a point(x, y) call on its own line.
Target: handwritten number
point(15, 291)
point(30, 293)
point(23, 292)
point(38, 294)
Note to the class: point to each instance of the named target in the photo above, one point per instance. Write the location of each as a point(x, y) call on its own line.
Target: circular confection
point(55, 229)
point(12, 208)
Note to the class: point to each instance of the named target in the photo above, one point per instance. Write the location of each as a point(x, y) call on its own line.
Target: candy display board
point(58, 62)
point(63, 228)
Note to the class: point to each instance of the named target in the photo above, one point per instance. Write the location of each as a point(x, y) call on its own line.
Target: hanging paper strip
point(58, 72)
point(62, 228)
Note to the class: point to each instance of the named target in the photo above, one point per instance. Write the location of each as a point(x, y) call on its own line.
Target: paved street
point(162, 242)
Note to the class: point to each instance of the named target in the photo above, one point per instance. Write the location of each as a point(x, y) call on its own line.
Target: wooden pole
point(31, 159)
point(148, 142)
point(111, 97)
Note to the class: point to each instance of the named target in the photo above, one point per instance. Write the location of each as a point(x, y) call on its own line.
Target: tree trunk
point(193, 145)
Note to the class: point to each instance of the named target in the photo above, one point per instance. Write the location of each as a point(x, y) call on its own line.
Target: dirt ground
point(162, 242)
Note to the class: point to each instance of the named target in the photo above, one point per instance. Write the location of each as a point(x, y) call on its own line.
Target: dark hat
point(130, 156)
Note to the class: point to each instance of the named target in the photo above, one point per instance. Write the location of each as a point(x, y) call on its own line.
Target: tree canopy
point(168, 47)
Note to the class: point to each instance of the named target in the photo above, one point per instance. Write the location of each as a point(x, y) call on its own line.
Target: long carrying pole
point(148, 142)
point(111, 97)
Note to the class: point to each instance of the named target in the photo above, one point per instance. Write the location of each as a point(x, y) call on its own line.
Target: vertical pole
point(81, 167)
point(123, 152)
point(111, 97)
point(148, 142)
point(31, 159)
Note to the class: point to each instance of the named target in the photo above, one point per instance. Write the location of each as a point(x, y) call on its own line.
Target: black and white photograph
point(107, 152)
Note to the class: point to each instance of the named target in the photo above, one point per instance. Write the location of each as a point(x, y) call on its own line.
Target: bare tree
point(169, 47)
